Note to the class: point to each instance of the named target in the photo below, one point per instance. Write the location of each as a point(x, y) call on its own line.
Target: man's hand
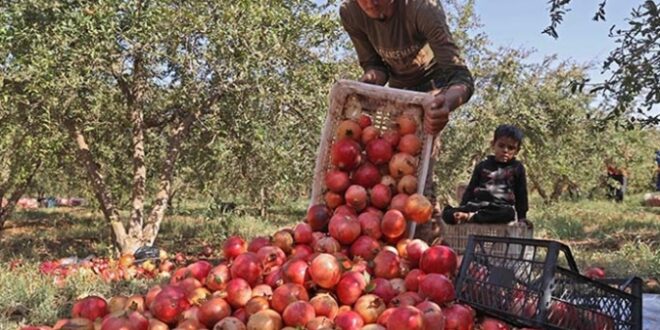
point(375, 77)
point(436, 114)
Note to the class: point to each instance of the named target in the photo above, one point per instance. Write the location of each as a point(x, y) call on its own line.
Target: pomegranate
point(349, 320)
point(458, 317)
point(439, 259)
point(365, 247)
point(437, 288)
point(369, 306)
point(324, 270)
point(212, 311)
point(392, 136)
point(248, 267)
point(344, 228)
point(386, 265)
point(318, 217)
point(265, 320)
point(298, 313)
point(432, 315)
point(257, 243)
point(393, 224)
point(337, 181)
point(356, 197)
point(385, 316)
point(364, 120)
point(239, 292)
point(402, 164)
point(413, 278)
point(325, 305)
point(406, 124)
point(286, 294)
point(345, 154)
point(493, 324)
point(301, 251)
point(414, 250)
point(350, 287)
point(333, 199)
point(382, 288)
point(380, 196)
point(125, 320)
point(151, 294)
point(117, 303)
point(262, 290)
point(284, 240)
point(320, 323)
point(407, 184)
point(199, 269)
point(256, 304)
point(595, 273)
point(296, 271)
point(406, 318)
point(367, 175)
point(90, 308)
point(198, 296)
point(379, 151)
point(369, 134)
point(406, 299)
point(563, 314)
point(230, 323)
point(326, 245)
point(234, 246)
point(410, 144)
point(370, 224)
point(349, 129)
point(271, 257)
point(418, 208)
point(169, 303)
point(346, 210)
point(399, 202)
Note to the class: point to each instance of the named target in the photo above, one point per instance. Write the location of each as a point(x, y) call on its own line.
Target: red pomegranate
point(432, 315)
point(234, 246)
point(414, 250)
point(410, 144)
point(380, 196)
point(318, 217)
point(212, 311)
point(169, 303)
point(259, 242)
point(383, 288)
point(286, 294)
point(270, 257)
point(345, 154)
point(337, 181)
point(349, 320)
point(413, 278)
point(325, 270)
point(364, 120)
point(437, 288)
point(493, 324)
point(333, 199)
point(393, 224)
point(325, 305)
point(90, 308)
point(398, 202)
point(392, 136)
point(356, 197)
point(418, 208)
point(379, 151)
point(386, 265)
point(406, 318)
point(349, 129)
point(127, 320)
point(369, 306)
point(350, 287)
point(344, 228)
point(458, 317)
point(369, 134)
point(407, 184)
point(248, 267)
point(402, 164)
point(367, 175)
point(298, 313)
point(370, 224)
point(296, 271)
point(439, 259)
point(406, 124)
point(239, 292)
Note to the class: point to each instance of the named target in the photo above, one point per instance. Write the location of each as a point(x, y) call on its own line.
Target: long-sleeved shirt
point(413, 47)
point(500, 184)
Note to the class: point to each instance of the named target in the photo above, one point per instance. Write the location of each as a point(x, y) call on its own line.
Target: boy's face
point(376, 9)
point(505, 149)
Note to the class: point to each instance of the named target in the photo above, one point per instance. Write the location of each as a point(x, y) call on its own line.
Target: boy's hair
point(509, 131)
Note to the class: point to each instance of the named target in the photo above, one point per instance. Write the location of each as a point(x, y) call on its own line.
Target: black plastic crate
point(536, 283)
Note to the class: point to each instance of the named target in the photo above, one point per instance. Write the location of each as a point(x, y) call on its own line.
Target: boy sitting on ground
point(497, 192)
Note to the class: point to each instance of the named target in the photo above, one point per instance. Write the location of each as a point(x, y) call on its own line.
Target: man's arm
point(520, 192)
point(375, 71)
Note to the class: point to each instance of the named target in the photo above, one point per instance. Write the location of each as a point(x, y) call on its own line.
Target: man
point(407, 44)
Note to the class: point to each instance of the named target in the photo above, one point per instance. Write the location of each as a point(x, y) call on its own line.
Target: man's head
point(506, 143)
point(377, 9)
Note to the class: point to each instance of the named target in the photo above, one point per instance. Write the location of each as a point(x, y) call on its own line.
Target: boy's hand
point(436, 114)
point(375, 77)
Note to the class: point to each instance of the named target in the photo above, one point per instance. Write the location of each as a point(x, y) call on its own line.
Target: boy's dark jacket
point(498, 183)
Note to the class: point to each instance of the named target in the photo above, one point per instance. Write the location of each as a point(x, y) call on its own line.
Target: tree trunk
point(122, 240)
point(134, 99)
point(537, 186)
point(7, 210)
point(152, 224)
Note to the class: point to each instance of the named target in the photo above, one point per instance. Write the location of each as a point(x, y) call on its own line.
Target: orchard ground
point(623, 238)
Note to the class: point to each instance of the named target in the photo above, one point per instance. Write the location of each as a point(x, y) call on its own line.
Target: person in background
point(617, 181)
point(497, 192)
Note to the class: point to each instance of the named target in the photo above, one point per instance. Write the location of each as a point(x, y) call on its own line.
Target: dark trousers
point(617, 191)
point(490, 214)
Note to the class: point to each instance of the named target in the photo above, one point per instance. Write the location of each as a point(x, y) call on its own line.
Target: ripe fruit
point(437, 288)
point(298, 313)
point(337, 181)
point(379, 151)
point(90, 308)
point(369, 134)
point(325, 271)
point(367, 175)
point(439, 259)
point(406, 318)
point(344, 228)
point(356, 197)
point(212, 311)
point(318, 217)
point(418, 208)
point(595, 273)
point(349, 129)
point(410, 144)
point(345, 154)
point(402, 164)
point(234, 246)
point(407, 184)
point(393, 224)
point(369, 306)
point(406, 124)
point(387, 265)
point(364, 120)
point(458, 317)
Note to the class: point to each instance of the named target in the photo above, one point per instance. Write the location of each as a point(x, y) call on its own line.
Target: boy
point(497, 192)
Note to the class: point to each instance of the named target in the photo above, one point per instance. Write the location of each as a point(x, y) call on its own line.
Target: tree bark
point(110, 212)
point(8, 209)
point(537, 186)
point(152, 225)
